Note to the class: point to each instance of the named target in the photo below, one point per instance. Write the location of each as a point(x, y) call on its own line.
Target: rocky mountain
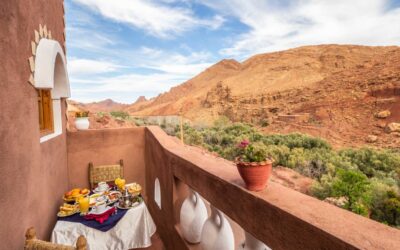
point(98, 120)
point(332, 91)
point(138, 104)
point(102, 106)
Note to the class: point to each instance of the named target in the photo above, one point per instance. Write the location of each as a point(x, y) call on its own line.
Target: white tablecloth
point(132, 231)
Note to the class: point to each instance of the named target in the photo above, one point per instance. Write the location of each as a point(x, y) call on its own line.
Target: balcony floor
point(156, 243)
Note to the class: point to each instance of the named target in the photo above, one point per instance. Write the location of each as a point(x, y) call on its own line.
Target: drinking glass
point(84, 205)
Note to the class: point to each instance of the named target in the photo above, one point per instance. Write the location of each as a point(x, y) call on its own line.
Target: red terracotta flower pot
point(255, 174)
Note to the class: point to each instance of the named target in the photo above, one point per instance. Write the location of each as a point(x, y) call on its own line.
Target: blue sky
point(123, 49)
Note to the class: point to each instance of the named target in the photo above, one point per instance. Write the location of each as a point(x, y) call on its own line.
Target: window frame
point(45, 110)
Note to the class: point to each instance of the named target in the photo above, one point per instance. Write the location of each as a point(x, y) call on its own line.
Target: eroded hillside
point(330, 91)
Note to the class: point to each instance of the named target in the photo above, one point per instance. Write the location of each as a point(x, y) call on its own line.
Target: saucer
point(97, 190)
point(101, 212)
point(135, 204)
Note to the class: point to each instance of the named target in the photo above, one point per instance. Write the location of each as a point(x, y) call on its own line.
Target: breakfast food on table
point(67, 210)
point(134, 188)
point(75, 193)
point(80, 200)
point(99, 207)
point(129, 201)
point(93, 199)
point(113, 196)
point(85, 191)
point(83, 204)
point(101, 187)
point(120, 183)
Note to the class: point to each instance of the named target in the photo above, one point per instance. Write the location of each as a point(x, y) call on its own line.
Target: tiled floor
point(157, 243)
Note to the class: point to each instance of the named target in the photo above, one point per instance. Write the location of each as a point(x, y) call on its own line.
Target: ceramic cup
point(101, 199)
point(102, 186)
point(100, 207)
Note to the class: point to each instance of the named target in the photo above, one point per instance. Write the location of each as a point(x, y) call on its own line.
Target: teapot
point(125, 199)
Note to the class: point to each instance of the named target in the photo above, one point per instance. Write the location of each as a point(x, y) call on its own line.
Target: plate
point(73, 199)
point(93, 199)
point(102, 212)
point(113, 193)
point(59, 214)
point(137, 188)
point(137, 203)
point(97, 191)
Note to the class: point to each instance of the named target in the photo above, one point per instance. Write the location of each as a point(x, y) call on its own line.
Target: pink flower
point(243, 144)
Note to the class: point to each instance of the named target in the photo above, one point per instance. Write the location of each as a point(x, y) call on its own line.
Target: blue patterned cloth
point(107, 225)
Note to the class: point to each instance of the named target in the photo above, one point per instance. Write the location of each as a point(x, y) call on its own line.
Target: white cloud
point(130, 83)
point(123, 88)
point(175, 63)
point(79, 66)
point(274, 26)
point(157, 18)
point(271, 25)
point(88, 39)
point(171, 69)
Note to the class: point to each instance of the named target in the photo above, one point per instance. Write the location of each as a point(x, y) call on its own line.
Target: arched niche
point(51, 73)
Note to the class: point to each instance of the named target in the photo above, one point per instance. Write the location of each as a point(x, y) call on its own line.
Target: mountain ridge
point(106, 105)
point(270, 87)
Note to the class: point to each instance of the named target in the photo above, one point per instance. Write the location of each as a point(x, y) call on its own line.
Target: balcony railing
point(171, 173)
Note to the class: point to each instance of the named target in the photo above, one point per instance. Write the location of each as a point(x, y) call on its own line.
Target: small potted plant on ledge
point(82, 120)
point(253, 164)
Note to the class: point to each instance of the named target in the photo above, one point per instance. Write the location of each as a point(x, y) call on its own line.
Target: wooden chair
point(32, 243)
point(106, 173)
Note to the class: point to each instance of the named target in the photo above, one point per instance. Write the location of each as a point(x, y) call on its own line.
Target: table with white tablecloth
point(134, 230)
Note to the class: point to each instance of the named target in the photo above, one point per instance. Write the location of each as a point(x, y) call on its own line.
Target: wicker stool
point(32, 243)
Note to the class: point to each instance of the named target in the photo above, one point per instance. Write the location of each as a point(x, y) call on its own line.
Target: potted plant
point(253, 164)
point(82, 120)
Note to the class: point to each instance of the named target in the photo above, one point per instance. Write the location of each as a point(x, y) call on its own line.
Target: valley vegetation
point(366, 180)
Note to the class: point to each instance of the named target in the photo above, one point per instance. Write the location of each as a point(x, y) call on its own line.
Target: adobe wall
point(106, 146)
point(32, 174)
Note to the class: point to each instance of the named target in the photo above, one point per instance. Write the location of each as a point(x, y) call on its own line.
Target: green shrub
point(391, 208)
point(264, 123)
point(280, 154)
point(101, 114)
point(296, 141)
point(354, 186)
point(385, 202)
point(368, 178)
point(322, 188)
point(139, 122)
point(222, 122)
point(373, 162)
point(119, 114)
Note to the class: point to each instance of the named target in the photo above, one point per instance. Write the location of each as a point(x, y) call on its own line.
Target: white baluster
point(157, 193)
point(193, 214)
point(251, 243)
point(217, 233)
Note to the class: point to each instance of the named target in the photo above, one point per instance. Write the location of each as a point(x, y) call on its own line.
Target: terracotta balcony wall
point(106, 146)
point(278, 216)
